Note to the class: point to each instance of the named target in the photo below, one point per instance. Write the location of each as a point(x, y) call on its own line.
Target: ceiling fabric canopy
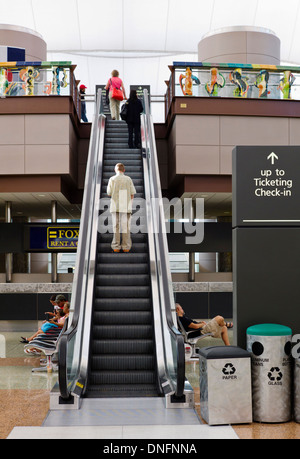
point(140, 38)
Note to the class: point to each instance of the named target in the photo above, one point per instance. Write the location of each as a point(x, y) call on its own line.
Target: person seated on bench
point(217, 326)
point(56, 323)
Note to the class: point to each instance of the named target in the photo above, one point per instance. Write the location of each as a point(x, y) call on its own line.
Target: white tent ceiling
point(141, 38)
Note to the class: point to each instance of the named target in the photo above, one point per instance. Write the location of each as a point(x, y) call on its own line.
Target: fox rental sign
point(62, 238)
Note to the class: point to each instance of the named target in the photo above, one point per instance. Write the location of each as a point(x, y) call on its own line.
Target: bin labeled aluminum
point(225, 385)
point(271, 363)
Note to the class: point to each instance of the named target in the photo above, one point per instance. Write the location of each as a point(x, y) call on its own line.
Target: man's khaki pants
point(121, 225)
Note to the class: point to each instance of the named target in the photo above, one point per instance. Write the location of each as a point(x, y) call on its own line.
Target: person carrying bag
point(116, 94)
point(133, 119)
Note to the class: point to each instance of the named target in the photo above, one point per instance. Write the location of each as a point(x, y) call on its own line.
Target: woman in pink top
point(115, 82)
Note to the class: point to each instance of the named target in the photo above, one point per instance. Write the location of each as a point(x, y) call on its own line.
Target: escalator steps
point(124, 317)
point(119, 346)
point(122, 332)
point(122, 360)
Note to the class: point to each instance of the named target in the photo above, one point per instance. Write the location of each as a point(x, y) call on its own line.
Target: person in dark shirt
point(134, 110)
point(217, 326)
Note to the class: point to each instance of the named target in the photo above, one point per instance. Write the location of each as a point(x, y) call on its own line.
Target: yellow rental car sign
point(59, 237)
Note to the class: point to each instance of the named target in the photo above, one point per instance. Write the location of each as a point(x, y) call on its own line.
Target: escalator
point(122, 360)
point(122, 341)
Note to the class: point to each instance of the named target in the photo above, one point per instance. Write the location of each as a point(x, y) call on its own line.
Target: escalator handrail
point(164, 274)
point(82, 268)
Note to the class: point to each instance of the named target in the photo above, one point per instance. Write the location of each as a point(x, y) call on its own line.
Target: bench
point(191, 340)
point(47, 343)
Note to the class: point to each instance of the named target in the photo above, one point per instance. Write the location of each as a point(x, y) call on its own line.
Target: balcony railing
point(242, 81)
point(29, 79)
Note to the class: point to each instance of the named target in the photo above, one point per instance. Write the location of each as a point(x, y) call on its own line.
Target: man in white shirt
point(121, 190)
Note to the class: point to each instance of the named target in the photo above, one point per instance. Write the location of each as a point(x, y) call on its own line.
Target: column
point(191, 214)
point(8, 256)
point(54, 276)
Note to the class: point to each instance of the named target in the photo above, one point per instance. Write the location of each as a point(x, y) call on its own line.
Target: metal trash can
point(296, 356)
point(225, 385)
point(271, 362)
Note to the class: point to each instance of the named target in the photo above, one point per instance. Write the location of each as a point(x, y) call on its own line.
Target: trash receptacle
point(271, 362)
point(296, 357)
point(225, 385)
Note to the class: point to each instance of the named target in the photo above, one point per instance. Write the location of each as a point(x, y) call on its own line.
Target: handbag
point(124, 111)
point(116, 93)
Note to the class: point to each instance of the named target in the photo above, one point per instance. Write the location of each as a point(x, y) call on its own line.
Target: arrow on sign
point(272, 157)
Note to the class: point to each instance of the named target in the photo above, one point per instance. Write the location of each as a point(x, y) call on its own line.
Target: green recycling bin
point(271, 368)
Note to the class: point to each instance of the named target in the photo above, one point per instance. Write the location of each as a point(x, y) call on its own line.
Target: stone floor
point(24, 396)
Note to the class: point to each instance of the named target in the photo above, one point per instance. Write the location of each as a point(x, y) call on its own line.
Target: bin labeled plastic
point(271, 362)
point(225, 385)
point(297, 390)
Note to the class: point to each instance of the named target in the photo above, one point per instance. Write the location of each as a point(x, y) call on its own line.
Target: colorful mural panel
point(217, 81)
point(241, 83)
point(261, 82)
point(286, 84)
point(186, 82)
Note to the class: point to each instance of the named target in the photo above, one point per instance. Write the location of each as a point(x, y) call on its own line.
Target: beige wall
point(203, 144)
point(37, 144)
point(245, 45)
point(20, 37)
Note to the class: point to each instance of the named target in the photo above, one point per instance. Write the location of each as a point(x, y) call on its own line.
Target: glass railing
point(169, 342)
point(35, 78)
point(242, 81)
point(39, 79)
point(74, 344)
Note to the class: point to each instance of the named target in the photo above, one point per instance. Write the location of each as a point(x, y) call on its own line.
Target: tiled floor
point(24, 402)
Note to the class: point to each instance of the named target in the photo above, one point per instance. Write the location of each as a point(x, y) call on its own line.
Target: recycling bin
point(225, 385)
point(296, 356)
point(270, 346)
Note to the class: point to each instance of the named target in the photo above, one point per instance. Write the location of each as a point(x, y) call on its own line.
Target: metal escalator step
point(119, 268)
point(133, 175)
point(124, 390)
point(136, 181)
point(117, 138)
point(120, 280)
point(139, 194)
point(117, 150)
point(116, 123)
point(130, 169)
point(120, 132)
point(138, 188)
point(123, 292)
point(109, 164)
point(138, 247)
point(139, 237)
point(123, 157)
point(122, 377)
point(119, 145)
point(122, 332)
point(134, 346)
point(132, 362)
point(122, 304)
point(122, 317)
point(131, 257)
